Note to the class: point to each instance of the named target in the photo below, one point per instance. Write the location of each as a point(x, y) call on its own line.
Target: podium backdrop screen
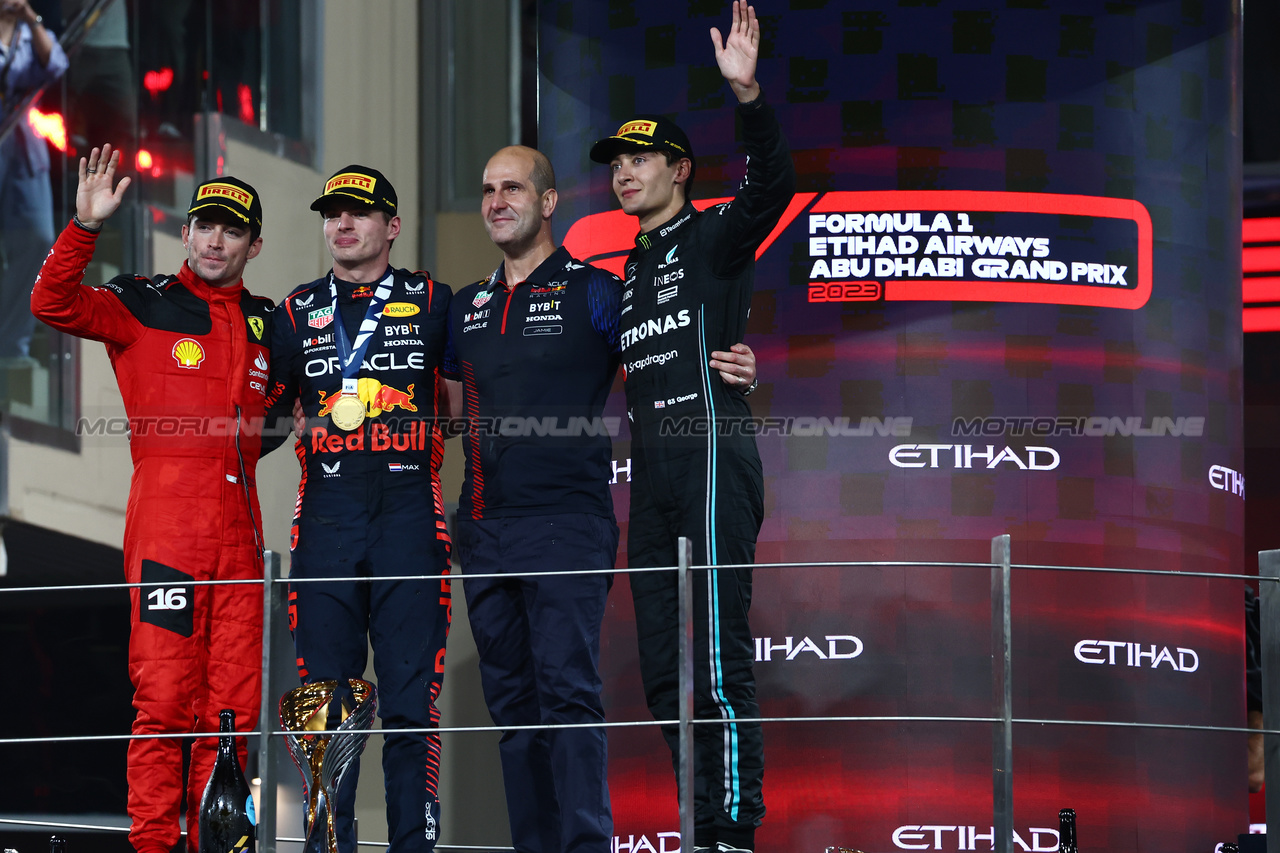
point(1006, 299)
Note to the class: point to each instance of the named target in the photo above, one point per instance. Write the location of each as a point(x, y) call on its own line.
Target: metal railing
point(1002, 719)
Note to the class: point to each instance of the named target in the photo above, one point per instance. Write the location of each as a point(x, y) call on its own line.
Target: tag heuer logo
point(320, 317)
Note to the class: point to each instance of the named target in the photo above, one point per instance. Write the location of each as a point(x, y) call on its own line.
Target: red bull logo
point(377, 398)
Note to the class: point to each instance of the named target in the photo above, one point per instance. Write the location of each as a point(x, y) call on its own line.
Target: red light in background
point(156, 82)
point(148, 163)
point(49, 126)
point(246, 103)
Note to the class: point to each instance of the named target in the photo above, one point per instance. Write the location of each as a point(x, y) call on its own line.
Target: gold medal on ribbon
point(347, 412)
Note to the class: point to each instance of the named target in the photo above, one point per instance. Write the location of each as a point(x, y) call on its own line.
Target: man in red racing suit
point(190, 357)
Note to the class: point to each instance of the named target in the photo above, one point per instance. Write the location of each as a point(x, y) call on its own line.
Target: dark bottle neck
point(226, 726)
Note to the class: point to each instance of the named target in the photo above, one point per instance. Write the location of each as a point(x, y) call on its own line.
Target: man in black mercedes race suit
point(696, 471)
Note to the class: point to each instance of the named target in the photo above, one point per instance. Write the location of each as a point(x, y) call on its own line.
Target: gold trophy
point(308, 712)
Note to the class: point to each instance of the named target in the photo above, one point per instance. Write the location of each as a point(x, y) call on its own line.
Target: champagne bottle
point(227, 819)
point(57, 844)
point(1067, 831)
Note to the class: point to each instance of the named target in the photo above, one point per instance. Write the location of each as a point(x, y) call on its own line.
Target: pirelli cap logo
point(350, 179)
point(640, 126)
point(222, 190)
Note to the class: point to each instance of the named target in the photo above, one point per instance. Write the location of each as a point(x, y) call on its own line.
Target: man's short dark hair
point(675, 157)
point(542, 176)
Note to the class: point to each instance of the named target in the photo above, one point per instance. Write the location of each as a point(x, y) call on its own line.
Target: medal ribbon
point(350, 358)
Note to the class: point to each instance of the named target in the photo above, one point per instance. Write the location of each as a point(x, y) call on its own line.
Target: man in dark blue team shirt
point(538, 340)
point(532, 353)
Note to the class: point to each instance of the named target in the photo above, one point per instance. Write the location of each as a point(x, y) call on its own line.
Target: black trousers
point(717, 501)
point(378, 525)
point(539, 644)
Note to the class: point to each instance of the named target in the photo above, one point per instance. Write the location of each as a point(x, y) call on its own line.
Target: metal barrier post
point(1002, 695)
point(685, 662)
point(1269, 613)
point(267, 745)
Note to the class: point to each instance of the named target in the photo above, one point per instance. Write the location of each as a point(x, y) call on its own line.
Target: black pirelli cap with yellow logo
point(359, 183)
point(232, 194)
point(646, 131)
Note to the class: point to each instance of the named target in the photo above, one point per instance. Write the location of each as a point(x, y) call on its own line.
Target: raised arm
point(57, 297)
point(737, 53)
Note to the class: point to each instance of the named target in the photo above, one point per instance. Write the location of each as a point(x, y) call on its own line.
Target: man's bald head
point(518, 196)
point(542, 176)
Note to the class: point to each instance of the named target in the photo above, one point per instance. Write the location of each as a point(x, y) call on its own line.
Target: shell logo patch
point(188, 353)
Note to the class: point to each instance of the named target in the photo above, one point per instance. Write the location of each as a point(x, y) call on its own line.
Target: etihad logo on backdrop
point(666, 842)
point(350, 179)
point(188, 353)
point(230, 191)
point(963, 456)
point(1227, 480)
point(939, 836)
point(835, 647)
point(1122, 653)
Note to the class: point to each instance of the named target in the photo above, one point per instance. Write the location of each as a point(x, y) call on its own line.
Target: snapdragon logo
point(932, 836)
point(656, 358)
point(1124, 653)
point(963, 456)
